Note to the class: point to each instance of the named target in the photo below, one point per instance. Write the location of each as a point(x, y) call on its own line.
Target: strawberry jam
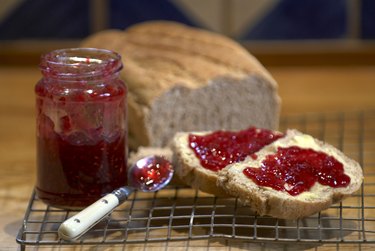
point(151, 173)
point(221, 148)
point(295, 170)
point(79, 171)
point(81, 127)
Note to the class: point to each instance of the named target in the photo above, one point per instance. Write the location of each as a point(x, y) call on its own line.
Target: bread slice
point(189, 169)
point(280, 204)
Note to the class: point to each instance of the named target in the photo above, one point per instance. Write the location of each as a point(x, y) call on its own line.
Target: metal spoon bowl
point(148, 174)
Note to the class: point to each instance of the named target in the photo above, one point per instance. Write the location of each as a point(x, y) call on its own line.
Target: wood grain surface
point(302, 89)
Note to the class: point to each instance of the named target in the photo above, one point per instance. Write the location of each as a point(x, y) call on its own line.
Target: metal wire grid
point(180, 213)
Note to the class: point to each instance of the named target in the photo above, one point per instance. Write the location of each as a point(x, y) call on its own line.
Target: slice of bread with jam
point(199, 156)
point(288, 195)
point(291, 176)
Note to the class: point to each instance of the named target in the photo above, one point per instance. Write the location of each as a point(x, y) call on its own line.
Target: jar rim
point(80, 62)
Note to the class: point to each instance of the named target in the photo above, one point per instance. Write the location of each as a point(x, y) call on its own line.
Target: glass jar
point(81, 127)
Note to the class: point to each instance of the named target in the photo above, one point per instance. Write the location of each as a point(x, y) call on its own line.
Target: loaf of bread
point(188, 166)
point(281, 204)
point(186, 79)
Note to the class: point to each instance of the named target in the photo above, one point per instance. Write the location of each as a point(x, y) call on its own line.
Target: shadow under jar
point(81, 127)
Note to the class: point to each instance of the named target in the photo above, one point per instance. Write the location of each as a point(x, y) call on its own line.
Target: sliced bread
point(189, 168)
point(280, 204)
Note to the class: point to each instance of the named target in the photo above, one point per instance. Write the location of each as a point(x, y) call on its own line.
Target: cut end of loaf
point(226, 103)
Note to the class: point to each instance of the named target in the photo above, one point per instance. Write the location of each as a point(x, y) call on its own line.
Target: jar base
point(66, 201)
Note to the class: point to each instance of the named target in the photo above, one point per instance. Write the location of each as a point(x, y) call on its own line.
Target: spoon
point(148, 174)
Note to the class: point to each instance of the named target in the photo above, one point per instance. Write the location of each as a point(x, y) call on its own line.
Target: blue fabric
point(307, 19)
point(368, 19)
point(126, 13)
point(289, 19)
point(47, 19)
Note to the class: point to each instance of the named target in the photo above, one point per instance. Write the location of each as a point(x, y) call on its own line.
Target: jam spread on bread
point(221, 148)
point(295, 170)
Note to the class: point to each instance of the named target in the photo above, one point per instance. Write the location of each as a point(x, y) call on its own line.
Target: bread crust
point(267, 201)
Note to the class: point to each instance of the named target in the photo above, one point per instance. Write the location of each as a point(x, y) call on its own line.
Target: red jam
point(295, 170)
point(151, 173)
point(76, 169)
point(81, 127)
point(221, 148)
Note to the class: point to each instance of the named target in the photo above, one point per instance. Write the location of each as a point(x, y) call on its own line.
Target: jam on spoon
point(148, 174)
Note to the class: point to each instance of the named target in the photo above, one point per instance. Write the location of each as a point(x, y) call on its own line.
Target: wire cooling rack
point(180, 213)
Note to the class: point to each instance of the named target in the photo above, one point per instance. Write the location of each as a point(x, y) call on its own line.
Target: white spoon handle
point(76, 226)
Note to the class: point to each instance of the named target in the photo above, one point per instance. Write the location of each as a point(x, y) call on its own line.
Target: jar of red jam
point(81, 127)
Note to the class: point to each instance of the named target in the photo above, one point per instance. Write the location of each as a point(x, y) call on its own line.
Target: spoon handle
point(76, 226)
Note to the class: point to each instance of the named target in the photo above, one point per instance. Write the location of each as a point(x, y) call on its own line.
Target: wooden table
point(303, 90)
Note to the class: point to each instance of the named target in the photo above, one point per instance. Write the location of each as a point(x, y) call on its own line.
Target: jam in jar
point(81, 127)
